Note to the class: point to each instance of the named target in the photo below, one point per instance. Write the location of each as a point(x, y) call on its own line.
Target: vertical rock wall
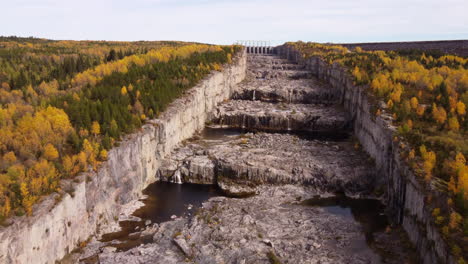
point(93, 200)
point(405, 194)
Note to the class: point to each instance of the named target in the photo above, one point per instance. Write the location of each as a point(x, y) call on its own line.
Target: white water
point(253, 99)
point(176, 178)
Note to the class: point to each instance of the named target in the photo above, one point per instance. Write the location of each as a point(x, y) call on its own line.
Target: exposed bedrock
point(277, 117)
point(254, 159)
point(269, 67)
point(405, 194)
point(301, 91)
point(291, 74)
point(273, 225)
point(272, 63)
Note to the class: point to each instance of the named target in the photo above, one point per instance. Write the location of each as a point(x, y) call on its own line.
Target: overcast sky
point(225, 21)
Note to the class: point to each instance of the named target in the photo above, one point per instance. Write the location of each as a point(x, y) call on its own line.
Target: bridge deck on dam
point(279, 142)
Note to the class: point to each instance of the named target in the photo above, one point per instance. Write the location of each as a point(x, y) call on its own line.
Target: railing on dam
point(257, 47)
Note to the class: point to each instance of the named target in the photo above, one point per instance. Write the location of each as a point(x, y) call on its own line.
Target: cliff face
point(61, 221)
point(404, 192)
point(268, 116)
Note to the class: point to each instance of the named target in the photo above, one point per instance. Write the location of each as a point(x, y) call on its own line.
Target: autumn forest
point(64, 104)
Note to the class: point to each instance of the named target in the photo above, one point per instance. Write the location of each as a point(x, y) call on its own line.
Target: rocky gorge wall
point(405, 194)
point(63, 221)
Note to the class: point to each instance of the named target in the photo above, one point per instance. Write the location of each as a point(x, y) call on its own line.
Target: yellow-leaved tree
point(123, 91)
point(429, 162)
point(439, 114)
point(95, 128)
point(453, 124)
point(461, 108)
point(50, 152)
point(414, 103)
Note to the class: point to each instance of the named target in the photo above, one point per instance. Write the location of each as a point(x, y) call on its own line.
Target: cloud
point(225, 21)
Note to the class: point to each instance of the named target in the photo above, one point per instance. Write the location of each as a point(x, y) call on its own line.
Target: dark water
point(216, 133)
point(221, 133)
point(368, 212)
point(167, 199)
point(164, 200)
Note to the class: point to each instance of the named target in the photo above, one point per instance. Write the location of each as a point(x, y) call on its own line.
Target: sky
point(226, 21)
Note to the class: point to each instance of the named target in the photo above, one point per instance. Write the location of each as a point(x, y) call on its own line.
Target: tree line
point(78, 105)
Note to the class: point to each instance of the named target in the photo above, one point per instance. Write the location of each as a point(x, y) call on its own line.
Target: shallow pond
point(369, 213)
point(164, 200)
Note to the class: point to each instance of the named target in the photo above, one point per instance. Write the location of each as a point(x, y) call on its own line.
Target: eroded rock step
point(277, 117)
point(269, 67)
point(275, 65)
point(269, 74)
point(301, 91)
point(263, 60)
point(240, 163)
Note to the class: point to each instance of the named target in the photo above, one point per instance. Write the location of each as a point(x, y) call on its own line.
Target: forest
point(64, 104)
point(426, 94)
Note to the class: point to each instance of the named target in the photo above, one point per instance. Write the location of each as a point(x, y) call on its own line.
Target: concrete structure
point(256, 47)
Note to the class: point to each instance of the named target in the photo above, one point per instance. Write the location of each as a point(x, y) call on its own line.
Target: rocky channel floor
point(287, 117)
point(237, 162)
point(272, 225)
point(285, 90)
point(274, 174)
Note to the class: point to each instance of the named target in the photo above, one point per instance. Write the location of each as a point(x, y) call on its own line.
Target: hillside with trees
point(427, 96)
point(64, 104)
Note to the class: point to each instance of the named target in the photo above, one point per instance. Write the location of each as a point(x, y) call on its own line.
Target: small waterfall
point(243, 121)
point(289, 124)
point(253, 98)
point(176, 178)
